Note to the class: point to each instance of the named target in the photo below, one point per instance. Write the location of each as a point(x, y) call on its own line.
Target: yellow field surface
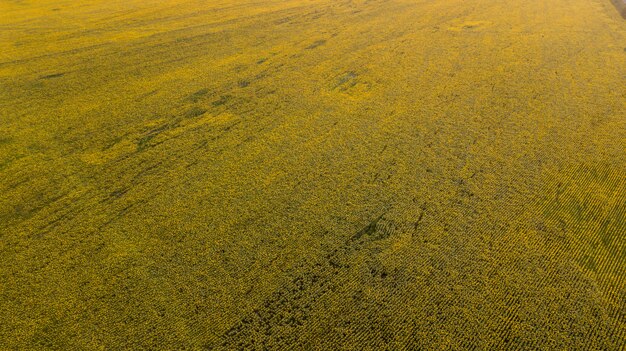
point(312, 175)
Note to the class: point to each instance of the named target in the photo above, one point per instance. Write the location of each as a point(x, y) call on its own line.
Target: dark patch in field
point(197, 95)
point(118, 193)
point(148, 94)
point(589, 263)
point(51, 76)
point(144, 142)
point(229, 127)
point(284, 20)
point(243, 83)
point(620, 6)
point(316, 44)
point(112, 143)
point(346, 80)
point(369, 230)
point(289, 308)
point(421, 216)
point(5, 163)
point(194, 112)
point(25, 211)
point(221, 101)
point(50, 336)
point(315, 15)
point(5, 140)
point(261, 60)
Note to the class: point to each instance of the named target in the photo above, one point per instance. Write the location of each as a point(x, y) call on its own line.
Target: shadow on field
point(620, 5)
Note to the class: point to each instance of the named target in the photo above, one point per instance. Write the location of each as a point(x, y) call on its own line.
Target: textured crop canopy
point(312, 175)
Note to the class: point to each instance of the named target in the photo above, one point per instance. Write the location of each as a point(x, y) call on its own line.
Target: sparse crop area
point(312, 175)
